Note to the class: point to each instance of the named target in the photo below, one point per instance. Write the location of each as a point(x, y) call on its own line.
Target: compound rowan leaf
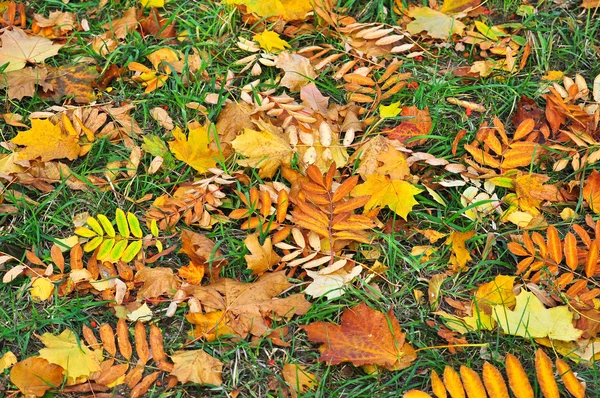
point(18, 49)
point(198, 367)
point(395, 194)
point(365, 337)
point(46, 141)
point(68, 352)
point(194, 149)
point(530, 319)
point(35, 376)
point(266, 150)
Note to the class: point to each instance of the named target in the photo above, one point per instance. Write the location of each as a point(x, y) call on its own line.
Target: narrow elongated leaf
point(95, 225)
point(571, 250)
point(108, 339)
point(122, 225)
point(154, 227)
point(545, 374)
point(123, 339)
point(344, 190)
point(416, 394)
point(134, 225)
point(574, 386)
point(592, 259)
point(554, 244)
point(494, 382)
point(85, 232)
point(517, 378)
point(437, 385)
point(131, 251)
point(105, 249)
point(472, 383)
point(106, 225)
point(93, 244)
point(453, 383)
point(141, 342)
point(118, 250)
point(282, 206)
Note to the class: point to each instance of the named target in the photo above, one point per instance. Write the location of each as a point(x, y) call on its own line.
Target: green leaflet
point(122, 225)
point(107, 225)
point(134, 224)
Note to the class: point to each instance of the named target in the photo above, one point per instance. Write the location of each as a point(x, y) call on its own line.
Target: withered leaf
point(157, 282)
point(72, 81)
point(198, 367)
point(35, 376)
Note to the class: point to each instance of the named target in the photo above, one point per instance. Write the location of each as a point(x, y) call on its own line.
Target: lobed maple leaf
point(194, 149)
point(197, 366)
point(436, 24)
point(262, 257)
point(396, 194)
point(18, 48)
point(68, 352)
point(365, 337)
point(46, 141)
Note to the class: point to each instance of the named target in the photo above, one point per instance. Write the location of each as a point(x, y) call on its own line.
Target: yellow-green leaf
point(159, 245)
point(154, 227)
point(134, 224)
point(122, 225)
point(107, 225)
point(85, 232)
point(95, 226)
point(105, 249)
point(391, 110)
point(118, 250)
point(131, 251)
point(194, 149)
point(93, 244)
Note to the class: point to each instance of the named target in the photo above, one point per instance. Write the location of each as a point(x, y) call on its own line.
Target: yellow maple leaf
point(460, 253)
point(398, 195)
point(262, 258)
point(266, 150)
point(436, 24)
point(289, 10)
point(391, 110)
point(532, 320)
point(47, 141)
point(270, 41)
point(194, 149)
point(497, 292)
point(68, 352)
point(18, 49)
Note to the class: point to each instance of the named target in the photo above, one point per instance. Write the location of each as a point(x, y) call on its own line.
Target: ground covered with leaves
point(319, 198)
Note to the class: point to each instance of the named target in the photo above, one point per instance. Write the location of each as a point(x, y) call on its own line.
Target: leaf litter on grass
point(294, 192)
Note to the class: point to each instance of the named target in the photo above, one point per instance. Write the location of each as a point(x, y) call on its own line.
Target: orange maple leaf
point(365, 337)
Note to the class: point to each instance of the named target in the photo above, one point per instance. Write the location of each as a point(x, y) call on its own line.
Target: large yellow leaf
point(289, 10)
point(68, 352)
point(194, 149)
point(436, 24)
point(531, 319)
point(266, 150)
point(497, 292)
point(18, 49)
point(398, 195)
point(47, 141)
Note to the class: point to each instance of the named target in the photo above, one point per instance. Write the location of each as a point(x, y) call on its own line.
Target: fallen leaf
point(198, 367)
point(460, 254)
point(68, 352)
point(288, 10)
point(266, 150)
point(394, 164)
point(391, 110)
point(152, 3)
point(202, 252)
point(298, 379)
point(194, 149)
point(497, 292)
point(591, 191)
point(418, 123)
point(35, 376)
point(192, 273)
point(298, 70)
point(247, 304)
point(395, 194)
point(456, 6)
point(156, 282)
point(71, 81)
point(531, 320)
point(46, 141)
point(331, 283)
point(7, 360)
point(162, 117)
point(41, 289)
point(261, 257)
point(119, 28)
point(22, 83)
point(18, 48)
point(270, 41)
point(155, 146)
point(211, 325)
point(365, 337)
point(141, 314)
point(436, 24)
point(311, 96)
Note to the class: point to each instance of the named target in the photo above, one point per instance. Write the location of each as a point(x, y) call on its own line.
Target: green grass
point(562, 39)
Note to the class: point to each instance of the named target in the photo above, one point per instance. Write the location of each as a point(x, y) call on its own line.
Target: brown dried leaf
point(108, 339)
point(197, 366)
point(123, 339)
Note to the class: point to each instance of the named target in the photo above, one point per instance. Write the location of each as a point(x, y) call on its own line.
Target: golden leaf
point(289, 10)
point(35, 376)
point(266, 150)
point(395, 194)
point(68, 352)
point(472, 382)
point(270, 41)
point(573, 385)
point(453, 383)
point(194, 149)
point(545, 374)
point(494, 382)
point(46, 141)
point(460, 253)
point(298, 379)
point(591, 191)
point(262, 258)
